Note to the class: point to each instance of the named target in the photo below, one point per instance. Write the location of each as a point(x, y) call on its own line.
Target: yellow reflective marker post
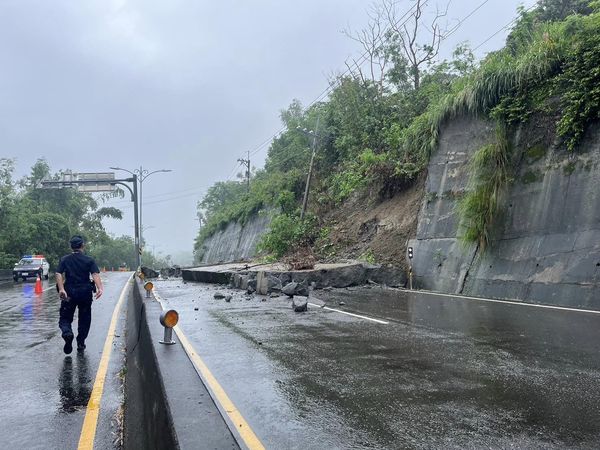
point(88, 430)
point(217, 392)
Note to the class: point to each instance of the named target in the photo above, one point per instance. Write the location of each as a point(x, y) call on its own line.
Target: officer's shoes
point(80, 347)
point(68, 348)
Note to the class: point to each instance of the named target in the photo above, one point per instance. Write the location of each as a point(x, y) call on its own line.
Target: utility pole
point(310, 168)
point(246, 162)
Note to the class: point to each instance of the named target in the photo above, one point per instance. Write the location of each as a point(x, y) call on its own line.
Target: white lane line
point(507, 302)
point(383, 322)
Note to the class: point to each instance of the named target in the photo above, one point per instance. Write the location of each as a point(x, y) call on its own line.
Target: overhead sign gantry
point(100, 182)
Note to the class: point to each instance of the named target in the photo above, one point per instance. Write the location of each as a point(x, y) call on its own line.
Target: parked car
point(30, 266)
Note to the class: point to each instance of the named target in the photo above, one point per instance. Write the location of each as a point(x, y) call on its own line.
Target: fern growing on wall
point(490, 175)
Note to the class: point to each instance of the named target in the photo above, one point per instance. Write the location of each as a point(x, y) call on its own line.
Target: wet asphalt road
point(443, 373)
point(44, 393)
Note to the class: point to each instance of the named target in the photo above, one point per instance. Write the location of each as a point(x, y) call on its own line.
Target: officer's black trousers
point(67, 311)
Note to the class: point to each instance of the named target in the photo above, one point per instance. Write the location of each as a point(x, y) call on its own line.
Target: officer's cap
point(76, 242)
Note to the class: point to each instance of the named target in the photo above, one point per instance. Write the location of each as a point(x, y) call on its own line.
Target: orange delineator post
point(38, 285)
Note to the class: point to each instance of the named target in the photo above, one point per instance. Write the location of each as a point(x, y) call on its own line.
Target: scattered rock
point(219, 295)
point(274, 284)
point(274, 295)
point(328, 288)
point(341, 303)
point(148, 272)
point(228, 298)
point(299, 303)
point(167, 272)
point(294, 288)
point(263, 299)
point(290, 288)
point(196, 308)
point(251, 286)
point(302, 289)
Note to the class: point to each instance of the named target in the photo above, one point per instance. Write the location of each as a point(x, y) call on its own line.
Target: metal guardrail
point(5, 274)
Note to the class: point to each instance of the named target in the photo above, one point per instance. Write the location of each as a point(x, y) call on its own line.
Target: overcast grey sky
point(178, 84)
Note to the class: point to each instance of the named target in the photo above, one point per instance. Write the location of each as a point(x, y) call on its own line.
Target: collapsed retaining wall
point(275, 276)
point(236, 242)
point(547, 246)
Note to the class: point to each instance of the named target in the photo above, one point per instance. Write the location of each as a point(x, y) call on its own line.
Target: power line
point(363, 58)
point(505, 27)
point(457, 26)
point(195, 191)
point(331, 86)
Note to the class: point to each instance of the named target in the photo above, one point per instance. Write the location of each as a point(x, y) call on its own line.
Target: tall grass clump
point(501, 74)
point(490, 175)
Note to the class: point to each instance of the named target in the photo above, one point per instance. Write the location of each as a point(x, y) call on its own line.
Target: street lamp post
point(141, 175)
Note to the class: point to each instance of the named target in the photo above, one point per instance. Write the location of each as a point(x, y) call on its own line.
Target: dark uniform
point(77, 267)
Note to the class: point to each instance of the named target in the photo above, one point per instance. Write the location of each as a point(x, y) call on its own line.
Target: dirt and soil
point(371, 229)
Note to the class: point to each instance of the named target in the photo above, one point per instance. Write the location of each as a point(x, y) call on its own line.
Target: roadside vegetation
point(41, 221)
point(381, 120)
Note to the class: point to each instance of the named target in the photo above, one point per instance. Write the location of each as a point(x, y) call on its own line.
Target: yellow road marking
point(88, 431)
point(217, 392)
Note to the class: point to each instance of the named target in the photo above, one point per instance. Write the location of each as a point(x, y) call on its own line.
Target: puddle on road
point(75, 383)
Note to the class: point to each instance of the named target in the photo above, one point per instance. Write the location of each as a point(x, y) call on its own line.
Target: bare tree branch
point(371, 39)
point(408, 34)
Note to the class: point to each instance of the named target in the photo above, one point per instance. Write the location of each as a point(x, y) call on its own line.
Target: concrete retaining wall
point(547, 244)
point(236, 242)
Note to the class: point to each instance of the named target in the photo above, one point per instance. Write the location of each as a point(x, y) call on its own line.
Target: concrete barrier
point(166, 403)
point(5, 274)
point(148, 422)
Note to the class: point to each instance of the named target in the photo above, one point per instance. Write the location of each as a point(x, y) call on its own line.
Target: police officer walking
point(76, 291)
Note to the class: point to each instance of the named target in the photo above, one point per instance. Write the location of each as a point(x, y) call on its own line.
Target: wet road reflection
point(75, 383)
point(444, 373)
point(45, 393)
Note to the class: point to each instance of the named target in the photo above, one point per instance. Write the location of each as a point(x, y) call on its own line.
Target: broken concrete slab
point(274, 276)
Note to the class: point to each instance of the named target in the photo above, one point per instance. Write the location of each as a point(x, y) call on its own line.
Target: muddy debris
point(228, 298)
point(219, 295)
